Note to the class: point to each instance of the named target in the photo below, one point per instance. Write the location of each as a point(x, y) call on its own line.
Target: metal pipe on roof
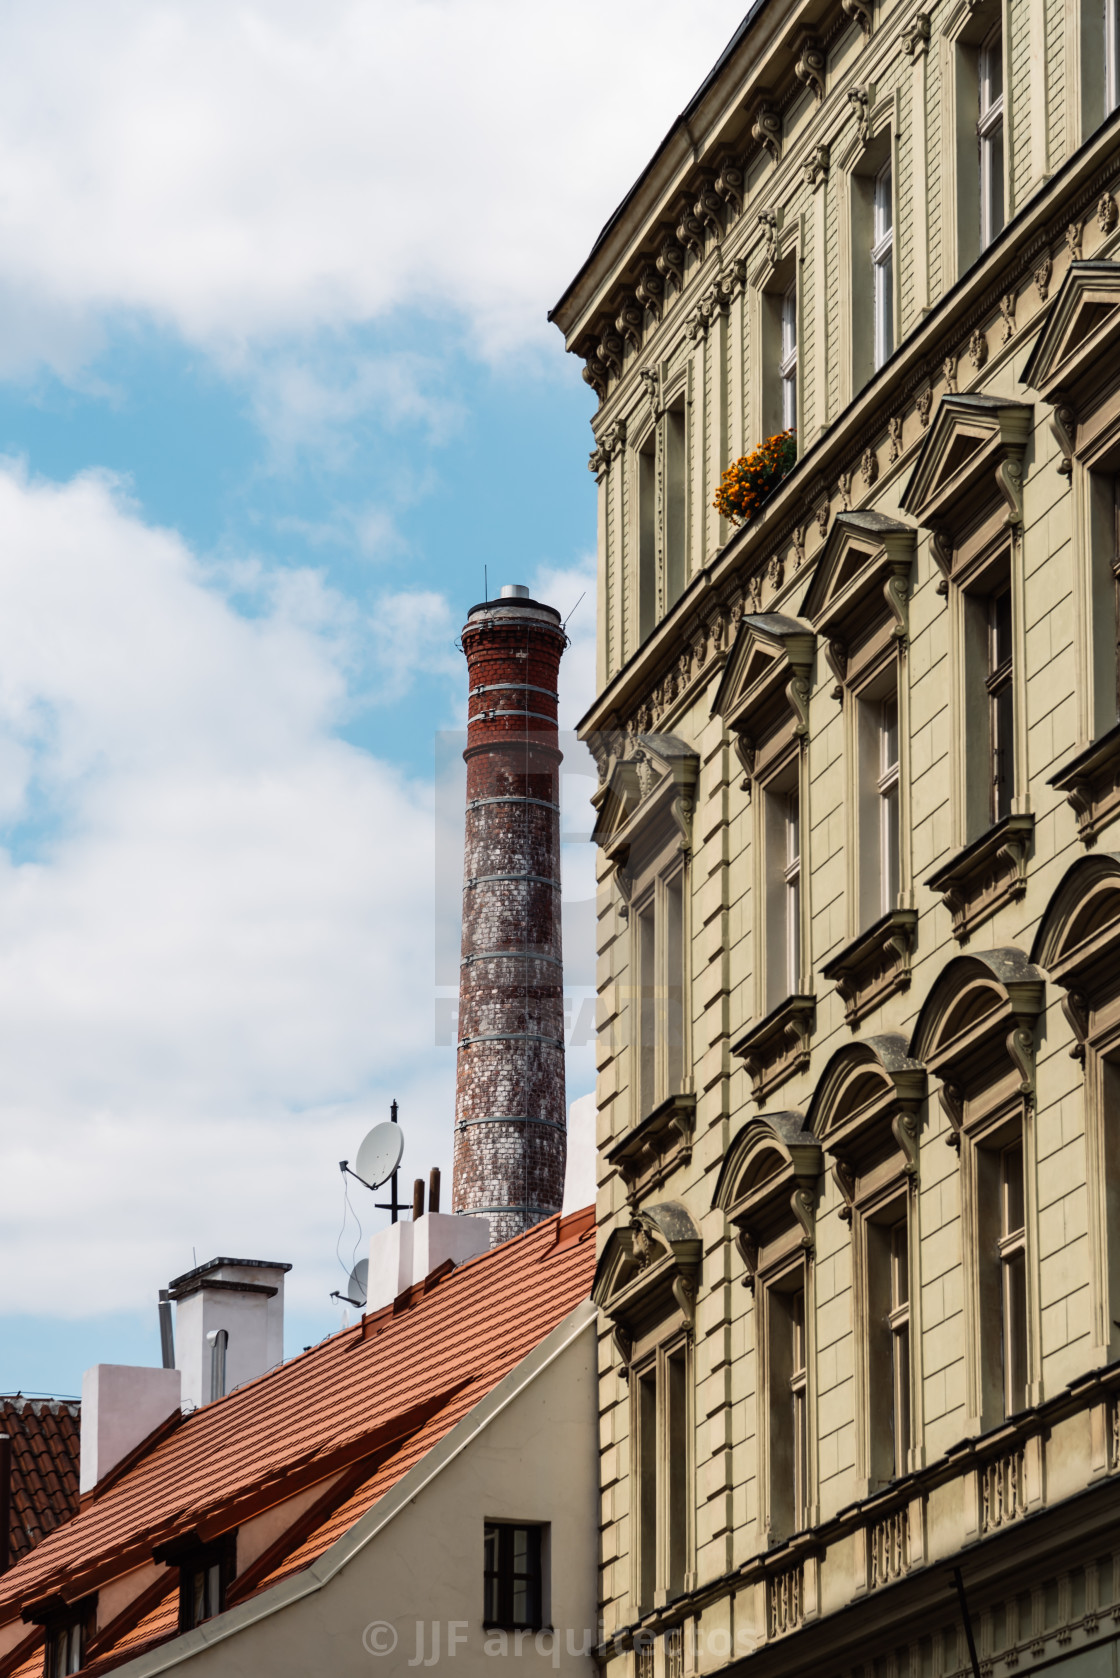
point(166, 1329)
point(417, 1199)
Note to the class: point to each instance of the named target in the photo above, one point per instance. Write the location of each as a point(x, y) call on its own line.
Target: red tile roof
point(45, 1438)
point(365, 1404)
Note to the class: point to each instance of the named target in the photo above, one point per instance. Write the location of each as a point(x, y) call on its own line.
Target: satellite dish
point(358, 1286)
point(379, 1154)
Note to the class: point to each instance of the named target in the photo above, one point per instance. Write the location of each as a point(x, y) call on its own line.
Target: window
point(661, 1424)
point(899, 1324)
point(789, 1417)
point(659, 931)
point(989, 129)
point(787, 367)
point(882, 264)
point(676, 555)
point(203, 1579)
point(513, 1577)
point(65, 1647)
point(1001, 710)
point(1111, 55)
point(661, 495)
point(1013, 1272)
point(783, 940)
point(1115, 569)
point(647, 540)
point(879, 805)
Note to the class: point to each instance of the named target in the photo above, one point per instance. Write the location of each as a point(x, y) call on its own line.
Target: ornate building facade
point(859, 841)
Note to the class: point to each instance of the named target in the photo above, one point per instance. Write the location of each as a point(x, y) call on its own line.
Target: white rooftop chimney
point(405, 1253)
point(121, 1405)
point(229, 1324)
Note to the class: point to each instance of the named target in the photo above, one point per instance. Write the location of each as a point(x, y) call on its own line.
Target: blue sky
point(276, 385)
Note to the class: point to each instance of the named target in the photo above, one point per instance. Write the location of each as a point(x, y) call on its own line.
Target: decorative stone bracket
point(1091, 783)
point(874, 965)
point(647, 1155)
point(990, 872)
point(778, 1046)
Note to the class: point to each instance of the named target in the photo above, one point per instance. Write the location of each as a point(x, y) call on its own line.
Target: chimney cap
point(514, 591)
point(221, 1263)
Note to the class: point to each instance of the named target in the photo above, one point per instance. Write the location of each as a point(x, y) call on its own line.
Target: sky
point(277, 391)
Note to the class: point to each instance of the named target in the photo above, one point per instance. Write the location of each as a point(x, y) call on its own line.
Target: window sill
point(1091, 783)
point(874, 965)
point(778, 1046)
point(646, 1155)
point(990, 872)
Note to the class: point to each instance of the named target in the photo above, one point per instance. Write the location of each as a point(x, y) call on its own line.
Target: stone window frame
point(858, 602)
point(779, 269)
point(646, 1286)
point(767, 1189)
point(966, 489)
point(763, 702)
point(644, 811)
point(1078, 946)
point(867, 1112)
point(674, 395)
point(964, 30)
point(1074, 366)
point(874, 144)
point(976, 1033)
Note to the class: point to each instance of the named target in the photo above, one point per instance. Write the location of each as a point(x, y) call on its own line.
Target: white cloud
point(216, 917)
point(245, 171)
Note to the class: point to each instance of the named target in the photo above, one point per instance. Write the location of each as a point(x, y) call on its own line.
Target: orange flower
point(748, 481)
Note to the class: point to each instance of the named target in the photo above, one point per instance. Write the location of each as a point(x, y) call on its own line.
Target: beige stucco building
point(859, 946)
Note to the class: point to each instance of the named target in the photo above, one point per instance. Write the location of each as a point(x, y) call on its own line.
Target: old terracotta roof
point(355, 1413)
point(45, 1437)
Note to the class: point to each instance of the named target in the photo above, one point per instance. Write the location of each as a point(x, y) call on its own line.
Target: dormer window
point(65, 1646)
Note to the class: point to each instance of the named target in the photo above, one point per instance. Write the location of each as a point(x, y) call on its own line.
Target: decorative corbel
point(1074, 234)
point(651, 379)
point(624, 1348)
point(708, 207)
point(629, 321)
point(915, 37)
point(941, 546)
point(1042, 276)
point(650, 290)
point(896, 593)
point(809, 65)
point(951, 1097)
point(681, 809)
point(595, 374)
point(869, 466)
point(1063, 424)
point(669, 262)
point(766, 128)
point(1007, 314)
point(749, 1248)
point(689, 227)
point(859, 11)
point(860, 100)
point(684, 1292)
point(977, 348)
point(949, 368)
point(1009, 477)
point(815, 167)
point(730, 183)
point(843, 1175)
point(746, 752)
point(904, 1128)
point(1021, 1051)
point(924, 405)
point(1075, 1007)
point(611, 350)
point(894, 431)
point(798, 689)
point(802, 1203)
point(836, 656)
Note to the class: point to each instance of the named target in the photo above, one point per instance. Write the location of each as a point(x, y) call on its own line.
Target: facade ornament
point(1074, 233)
point(799, 534)
point(775, 572)
point(766, 129)
point(844, 484)
point(754, 588)
point(925, 405)
point(1042, 276)
point(859, 100)
point(1107, 213)
point(650, 290)
point(718, 629)
point(815, 168)
point(729, 182)
point(595, 374)
point(859, 11)
point(869, 466)
point(700, 648)
point(1009, 478)
point(809, 65)
point(708, 207)
point(611, 349)
point(670, 262)
point(1007, 313)
point(651, 379)
point(689, 228)
point(1063, 424)
point(733, 280)
point(696, 323)
point(629, 321)
point(1075, 1007)
point(977, 349)
point(951, 1097)
point(822, 519)
point(844, 1176)
point(894, 431)
point(915, 37)
point(949, 368)
point(768, 222)
point(597, 462)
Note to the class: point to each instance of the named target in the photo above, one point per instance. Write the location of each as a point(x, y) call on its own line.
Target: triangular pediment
point(968, 438)
point(768, 649)
point(659, 770)
point(862, 550)
point(649, 1267)
point(1083, 322)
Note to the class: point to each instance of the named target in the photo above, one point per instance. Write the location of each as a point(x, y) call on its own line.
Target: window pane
point(491, 1611)
point(1013, 1197)
point(674, 966)
point(1015, 1331)
point(677, 1546)
point(902, 1399)
point(995, 181)
point(647, 975)
point(647, 1490)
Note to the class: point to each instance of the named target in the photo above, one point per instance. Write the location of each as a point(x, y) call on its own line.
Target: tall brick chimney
point(510, 1115)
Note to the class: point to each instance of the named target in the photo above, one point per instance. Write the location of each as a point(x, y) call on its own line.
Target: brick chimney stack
point(510, 1113)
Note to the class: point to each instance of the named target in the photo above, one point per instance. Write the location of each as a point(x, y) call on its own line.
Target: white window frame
point(882, 262)
point(990, 133)
point(791, 874)
point(1111, 56)
point(787, 366)
point(660, 954)
point(799, 1400)
point(1013, 1275)
point(898, 1321)
point(888, 787)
